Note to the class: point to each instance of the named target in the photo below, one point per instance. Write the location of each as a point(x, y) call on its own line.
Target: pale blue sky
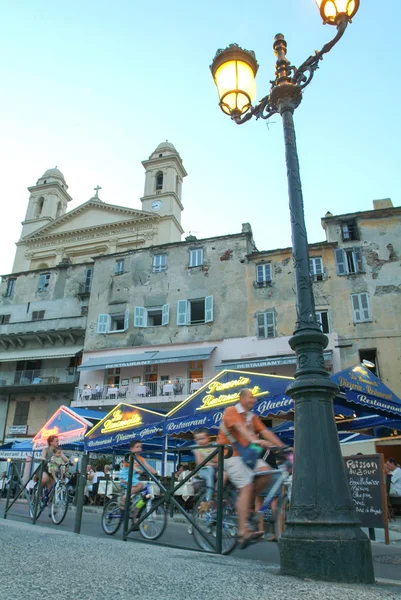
point(94, 86)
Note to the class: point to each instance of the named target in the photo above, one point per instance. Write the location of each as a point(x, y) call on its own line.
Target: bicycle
point(151, 528)
point(205, 513)
point(57, 497)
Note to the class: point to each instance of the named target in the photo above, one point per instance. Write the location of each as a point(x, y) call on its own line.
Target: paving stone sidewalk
point(40, 563)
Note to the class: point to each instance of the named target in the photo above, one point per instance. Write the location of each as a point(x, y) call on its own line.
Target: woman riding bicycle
point(47, 453)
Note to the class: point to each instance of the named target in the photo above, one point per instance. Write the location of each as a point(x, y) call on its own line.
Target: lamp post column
point(322, 538)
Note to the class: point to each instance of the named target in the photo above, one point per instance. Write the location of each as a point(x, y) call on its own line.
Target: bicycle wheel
point(283, 505)
point(205, 516)
point(59, 504)
point(154, 525)
point(112, 517)
point(42, 502)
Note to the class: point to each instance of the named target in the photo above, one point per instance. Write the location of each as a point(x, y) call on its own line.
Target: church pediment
point(90, 216)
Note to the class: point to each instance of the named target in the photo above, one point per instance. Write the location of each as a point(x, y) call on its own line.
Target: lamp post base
point(329, 553)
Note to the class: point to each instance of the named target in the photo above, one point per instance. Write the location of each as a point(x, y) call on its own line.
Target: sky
point(93, 87)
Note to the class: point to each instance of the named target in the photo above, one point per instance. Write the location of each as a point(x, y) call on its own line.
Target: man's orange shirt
point(231, 417)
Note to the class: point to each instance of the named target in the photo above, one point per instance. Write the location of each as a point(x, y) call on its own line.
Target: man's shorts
point(239, 473)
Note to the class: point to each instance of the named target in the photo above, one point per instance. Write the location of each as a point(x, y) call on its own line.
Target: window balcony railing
point(43, 325)
point(147, 392)
point(40, 377)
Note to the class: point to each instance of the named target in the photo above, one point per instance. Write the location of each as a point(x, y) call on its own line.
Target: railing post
point(9, 490)
point(128, 497)
point(80, 492)
point(220, 490)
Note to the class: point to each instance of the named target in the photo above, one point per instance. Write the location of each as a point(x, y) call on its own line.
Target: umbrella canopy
point(363, 390)
point(67, 424)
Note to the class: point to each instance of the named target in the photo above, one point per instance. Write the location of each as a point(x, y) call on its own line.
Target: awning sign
point(123, 424)
point(66, 424)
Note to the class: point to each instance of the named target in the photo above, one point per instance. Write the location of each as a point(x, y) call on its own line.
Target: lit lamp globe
point(234, 71)
point(333, 11)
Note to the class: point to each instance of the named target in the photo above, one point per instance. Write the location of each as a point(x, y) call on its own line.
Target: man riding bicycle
point(241, 426)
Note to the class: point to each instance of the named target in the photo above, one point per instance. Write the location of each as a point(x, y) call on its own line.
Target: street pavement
point(387, 559)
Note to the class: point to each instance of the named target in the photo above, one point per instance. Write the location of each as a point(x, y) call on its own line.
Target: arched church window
point(39, 206)
point(160, 155)
point(159, 180)
point(58, 213)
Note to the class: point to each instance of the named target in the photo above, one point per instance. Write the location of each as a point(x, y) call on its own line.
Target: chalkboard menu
point(365, 473)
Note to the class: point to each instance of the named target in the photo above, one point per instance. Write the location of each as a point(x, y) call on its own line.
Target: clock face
point(156, 205)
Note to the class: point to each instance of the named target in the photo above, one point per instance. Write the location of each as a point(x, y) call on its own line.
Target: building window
point(349, 230)
point(88, 280)
point(38, 314)
point(119, 267)
point(10, 287)
point(263, 273)
point(348, 261)
point(370, 358)
point(159, 181)
point(151, 317)
point(44, 280)
point(361, 308)
point(4, 319)
point(112, 323)
point(323, 318)
point(316, 268)
point(196, 257)
point(266, 324)
point(195, 312)
point(39, 206)
point(21, 412)
point(159, 263)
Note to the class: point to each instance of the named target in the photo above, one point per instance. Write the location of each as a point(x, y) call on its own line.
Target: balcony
point(146, 393)
point(40, 377)
point(84, 290)
point(58, 330)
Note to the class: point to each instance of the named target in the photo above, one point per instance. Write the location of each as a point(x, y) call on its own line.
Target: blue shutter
point(364, 301)
point(182, 312)
point(261, 328)
point(126, 320)
point(103, 323)
point(165, 314)
point(356, 308)
point(208, 309)
point(358, 260)
point(139, 316)
point(340, 262)
point(270, 324)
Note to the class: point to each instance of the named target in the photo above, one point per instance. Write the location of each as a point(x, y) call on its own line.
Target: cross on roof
point(97, 188)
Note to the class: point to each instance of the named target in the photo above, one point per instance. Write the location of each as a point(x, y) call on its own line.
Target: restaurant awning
point(263, 361)
point(66, 424)
point(146, 358)
point(40, 353)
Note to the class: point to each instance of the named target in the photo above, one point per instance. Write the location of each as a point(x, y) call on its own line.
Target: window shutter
point(261, 329)
point(103, 323)
point(270, 324)
point(259, 273)
point(165, 314)
point(364, 301)
point(182, 312)
point(318, 266)
point(340, 262)
point(311, 269)
point(126, 320)
point(356, 308)
point(139, 316)
point(358, 260)
point(208, 309)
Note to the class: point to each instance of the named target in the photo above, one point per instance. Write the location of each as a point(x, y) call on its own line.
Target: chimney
point(385, 203)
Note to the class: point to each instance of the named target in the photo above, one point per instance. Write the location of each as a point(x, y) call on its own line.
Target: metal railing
point(167, 497)
point(43, 325)
point(146, 392)
point(39, 376)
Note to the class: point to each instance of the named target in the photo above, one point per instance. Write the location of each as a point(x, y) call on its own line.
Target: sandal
point(246, 540)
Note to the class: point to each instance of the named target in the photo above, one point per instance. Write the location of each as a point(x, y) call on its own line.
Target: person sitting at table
point(98, 391)
point(86, 392)
point(177, 387)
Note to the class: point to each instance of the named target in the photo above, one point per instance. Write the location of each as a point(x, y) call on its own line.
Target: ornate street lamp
point(322, 538)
